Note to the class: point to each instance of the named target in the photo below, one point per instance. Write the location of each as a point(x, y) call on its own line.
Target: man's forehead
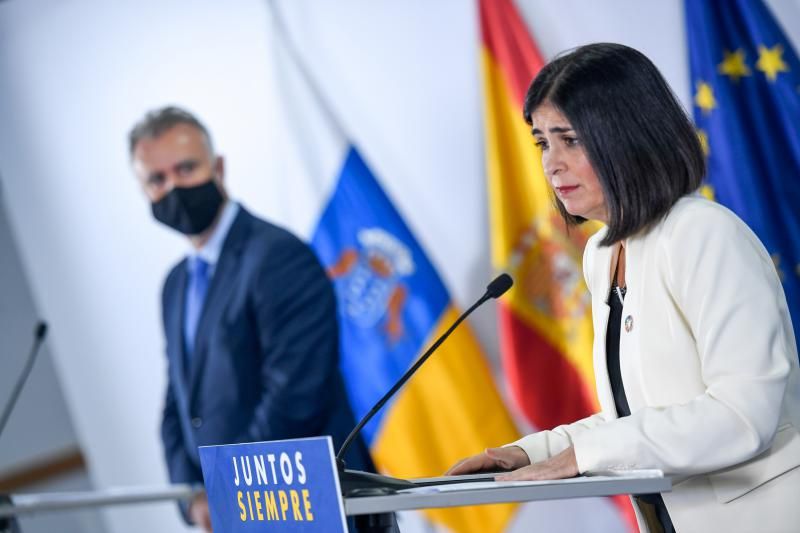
point(183, 138)
point(179, 141)
point(180, 135)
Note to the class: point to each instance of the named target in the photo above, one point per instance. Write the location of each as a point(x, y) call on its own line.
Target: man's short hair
point(158, 121)
point(640, 141)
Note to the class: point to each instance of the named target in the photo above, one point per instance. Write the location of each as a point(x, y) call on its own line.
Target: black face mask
point(190, 210)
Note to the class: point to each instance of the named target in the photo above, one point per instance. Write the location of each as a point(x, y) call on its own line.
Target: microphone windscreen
point(499, 285)
point(41, 330)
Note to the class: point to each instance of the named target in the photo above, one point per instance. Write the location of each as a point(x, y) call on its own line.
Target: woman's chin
point(573, 209)
point(589, 214)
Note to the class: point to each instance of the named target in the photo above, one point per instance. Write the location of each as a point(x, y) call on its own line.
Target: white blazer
point(710, 369)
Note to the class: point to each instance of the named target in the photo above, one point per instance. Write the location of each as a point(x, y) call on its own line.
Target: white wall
point(40, 427)
point(403, 76)
point(75, 76)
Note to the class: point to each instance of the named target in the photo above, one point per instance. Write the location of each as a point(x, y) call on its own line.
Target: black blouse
point(616, 297)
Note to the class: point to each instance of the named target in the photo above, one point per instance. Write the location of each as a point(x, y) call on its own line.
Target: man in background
point(249, 314)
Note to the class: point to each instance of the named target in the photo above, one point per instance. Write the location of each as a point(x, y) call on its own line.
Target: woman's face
point(566, 166)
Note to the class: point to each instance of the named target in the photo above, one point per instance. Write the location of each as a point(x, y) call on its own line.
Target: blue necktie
point(196, 290)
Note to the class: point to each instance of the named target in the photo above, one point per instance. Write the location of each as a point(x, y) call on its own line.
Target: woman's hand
point(492, 460)
point(560, 466)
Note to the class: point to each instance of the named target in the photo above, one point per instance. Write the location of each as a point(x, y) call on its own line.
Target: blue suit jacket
point(265, 363)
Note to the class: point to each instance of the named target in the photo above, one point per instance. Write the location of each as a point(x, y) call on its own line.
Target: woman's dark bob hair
point(638, 138)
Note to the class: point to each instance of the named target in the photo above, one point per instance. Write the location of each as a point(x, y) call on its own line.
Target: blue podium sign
point(287, 485)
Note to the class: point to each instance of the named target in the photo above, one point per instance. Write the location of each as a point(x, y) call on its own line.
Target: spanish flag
point(545, 323)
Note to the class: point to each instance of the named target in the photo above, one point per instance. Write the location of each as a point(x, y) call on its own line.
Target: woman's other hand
point(560, 466)
point(492, 460)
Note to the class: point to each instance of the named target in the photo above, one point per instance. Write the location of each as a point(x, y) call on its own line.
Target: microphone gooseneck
point(38, 337)
point(496, 288)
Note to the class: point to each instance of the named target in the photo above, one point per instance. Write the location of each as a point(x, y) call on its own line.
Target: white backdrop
point(403, 77)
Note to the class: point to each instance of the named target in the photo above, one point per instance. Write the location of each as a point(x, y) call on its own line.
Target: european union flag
point(746, 89)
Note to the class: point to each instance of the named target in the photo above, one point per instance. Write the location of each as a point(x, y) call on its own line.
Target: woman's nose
point(553, 162)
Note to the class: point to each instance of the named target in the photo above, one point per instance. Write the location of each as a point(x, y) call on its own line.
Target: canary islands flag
point(746, 96)
point(392, 305)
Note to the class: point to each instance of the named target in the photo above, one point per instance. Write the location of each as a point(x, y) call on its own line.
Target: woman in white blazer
point(695, 359)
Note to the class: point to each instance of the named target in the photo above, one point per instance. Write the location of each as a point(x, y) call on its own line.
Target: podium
point(373, 511)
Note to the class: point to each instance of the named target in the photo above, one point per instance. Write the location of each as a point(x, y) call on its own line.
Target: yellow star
point(707, 191)
point(702, 136)
point(770, 61)
point(704, 98)
point(733, 65)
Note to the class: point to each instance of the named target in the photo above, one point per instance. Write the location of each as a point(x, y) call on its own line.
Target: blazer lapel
point(601, 284)
point(221, 288)
point(629, 357)
point(174, 326)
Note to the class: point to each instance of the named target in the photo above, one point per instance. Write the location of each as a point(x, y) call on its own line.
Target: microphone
point(354, 480)
point(499, 286)
point(39, 334)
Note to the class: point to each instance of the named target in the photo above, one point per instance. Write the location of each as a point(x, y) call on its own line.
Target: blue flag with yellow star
point(746, 89)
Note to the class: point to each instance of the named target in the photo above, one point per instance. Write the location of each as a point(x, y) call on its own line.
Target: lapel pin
point(628, 323)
